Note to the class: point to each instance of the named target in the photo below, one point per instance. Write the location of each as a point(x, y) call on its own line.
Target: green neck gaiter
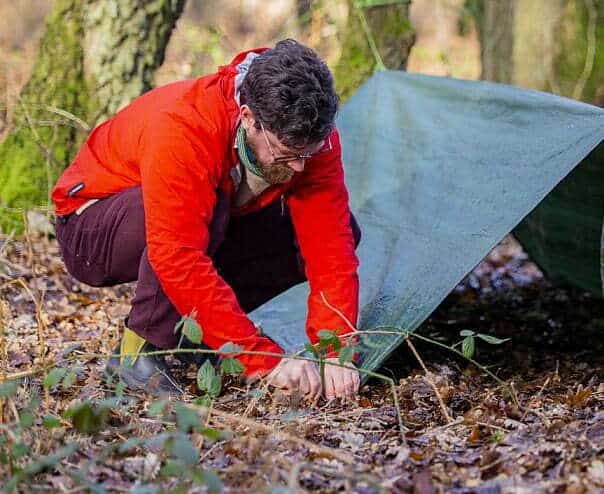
point(246, 156)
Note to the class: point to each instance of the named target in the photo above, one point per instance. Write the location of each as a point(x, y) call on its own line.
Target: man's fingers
point(330, 388)
point(314, 380)
point(303, 382)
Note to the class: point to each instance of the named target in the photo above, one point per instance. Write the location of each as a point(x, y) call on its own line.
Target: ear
point(247, 117)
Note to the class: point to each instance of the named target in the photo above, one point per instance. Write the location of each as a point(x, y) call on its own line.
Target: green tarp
point(439, 171)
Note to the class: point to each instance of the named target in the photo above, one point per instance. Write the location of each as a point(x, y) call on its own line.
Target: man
point(217, 194)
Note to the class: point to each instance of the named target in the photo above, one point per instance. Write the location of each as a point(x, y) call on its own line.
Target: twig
point(39, 321)
point(298, 467)
point(427, 377)
point(535, 397)
point(591, 49)
point(316, 448)
point(339, 313)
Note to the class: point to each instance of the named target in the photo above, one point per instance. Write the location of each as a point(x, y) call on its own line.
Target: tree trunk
point(95, 56)
point(548, 45)
point(373, 33)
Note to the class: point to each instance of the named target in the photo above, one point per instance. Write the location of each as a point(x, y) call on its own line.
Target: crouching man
point(216, 194)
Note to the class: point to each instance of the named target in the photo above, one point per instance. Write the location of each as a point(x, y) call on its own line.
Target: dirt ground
point(477, 441)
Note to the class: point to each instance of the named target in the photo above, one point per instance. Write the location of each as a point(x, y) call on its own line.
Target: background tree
point(378, 31)
point(95, 56)
point(549, 45)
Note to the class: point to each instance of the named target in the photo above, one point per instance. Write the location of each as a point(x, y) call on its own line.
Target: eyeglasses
point(303, 157)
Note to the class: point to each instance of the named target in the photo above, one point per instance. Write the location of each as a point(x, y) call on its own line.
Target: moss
point(393, 35)
point(42, 143)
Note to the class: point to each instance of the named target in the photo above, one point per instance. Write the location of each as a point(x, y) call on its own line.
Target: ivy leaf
point(466, 332)
point(204, 375)
point(173, 468)
point(346, 354)
point(311, 349)
point(209, 479)
point(156, 408)
point(186, 418)
point(215, 387)
point(26, 419)
point(328, 337)
point(69, 380)
point(51, 422)
point(192, 330)
point(203, 401)
point(492, 339)
point(53, 377)
point(468, 346)
point(229, 348)
point(231, 366)
point(87, 418)
point(8, 389)
point(131, 444)
point(19, 450)
point(212, 434)
point(183, 449)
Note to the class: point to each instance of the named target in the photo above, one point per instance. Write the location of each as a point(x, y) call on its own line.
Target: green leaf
point(173, 469)
point(182, 449)
point(69, 380)
point(346, 354)
point(325, 334)
point(187, 419)
point(231, 366)
point(26, 419)
point(191, 329)
point(8, 389)
point(209, 479)
point(468, 346)
point(311, 349)
point(328, 337)
point(229, 348)
point(203, 401)
point(212, 434)
point(131, 444)
point(205, 374)
point(157, 408)
point(87, 418)
point(19, 450)
point(51, 422)
point(53, 377)
point(492, 339)
point(215, 387)
point(466, 332)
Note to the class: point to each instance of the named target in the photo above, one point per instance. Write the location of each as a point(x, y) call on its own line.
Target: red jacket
point(176, 142)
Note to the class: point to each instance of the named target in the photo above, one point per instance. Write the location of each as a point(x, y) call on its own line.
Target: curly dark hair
point(291, 91)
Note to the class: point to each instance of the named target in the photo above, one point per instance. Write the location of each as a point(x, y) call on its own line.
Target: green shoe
point(146, 372)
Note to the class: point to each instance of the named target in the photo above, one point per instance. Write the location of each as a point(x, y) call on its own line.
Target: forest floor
point(463, 432)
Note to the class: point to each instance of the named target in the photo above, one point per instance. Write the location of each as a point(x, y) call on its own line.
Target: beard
point(275, 174)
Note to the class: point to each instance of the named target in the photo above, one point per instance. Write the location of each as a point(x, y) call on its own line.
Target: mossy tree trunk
point(94, 57)
point(373, 33)
point(549, 45)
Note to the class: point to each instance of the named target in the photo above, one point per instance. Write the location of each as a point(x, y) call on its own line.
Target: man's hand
point(340, 381)
point(300, 376)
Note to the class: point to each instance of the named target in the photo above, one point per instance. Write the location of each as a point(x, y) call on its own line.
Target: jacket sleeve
point(179, 177)
point(321, 218)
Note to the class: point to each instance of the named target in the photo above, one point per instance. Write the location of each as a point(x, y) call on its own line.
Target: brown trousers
point(256, 254)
